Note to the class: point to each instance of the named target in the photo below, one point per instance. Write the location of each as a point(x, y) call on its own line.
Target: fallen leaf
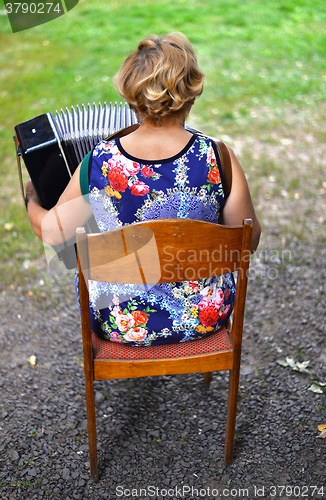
point(302, 366)
point(32, 360)
point(26, 264)
point(315, 388)
point(322, 435)
point(295, 365)
point(322, 428)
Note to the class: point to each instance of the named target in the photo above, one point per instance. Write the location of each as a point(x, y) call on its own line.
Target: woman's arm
point(58, 224)
point(238, 205)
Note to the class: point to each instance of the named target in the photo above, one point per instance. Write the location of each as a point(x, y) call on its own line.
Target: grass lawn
point(265, 65)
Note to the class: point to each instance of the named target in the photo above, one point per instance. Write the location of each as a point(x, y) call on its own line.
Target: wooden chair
point(156, 252)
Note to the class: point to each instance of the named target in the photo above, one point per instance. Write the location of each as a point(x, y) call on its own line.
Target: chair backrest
point(168, 250)
point(164, 250)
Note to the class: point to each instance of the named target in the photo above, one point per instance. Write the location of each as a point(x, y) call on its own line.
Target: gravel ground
point(165, 435)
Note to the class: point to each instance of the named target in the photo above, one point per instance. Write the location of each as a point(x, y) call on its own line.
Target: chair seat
point(215, 342)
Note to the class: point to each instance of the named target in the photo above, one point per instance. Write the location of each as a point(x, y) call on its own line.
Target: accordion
point(52, 147)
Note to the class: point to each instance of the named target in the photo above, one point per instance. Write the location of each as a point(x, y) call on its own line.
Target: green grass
point(265, 81)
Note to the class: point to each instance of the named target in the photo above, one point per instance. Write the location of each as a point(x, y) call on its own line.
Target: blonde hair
point(161, 79)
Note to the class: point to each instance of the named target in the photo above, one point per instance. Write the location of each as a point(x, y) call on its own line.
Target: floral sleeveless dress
point(124, 190)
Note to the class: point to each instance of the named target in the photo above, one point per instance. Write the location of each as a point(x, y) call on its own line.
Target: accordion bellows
point(52, 146)
point(84, 128)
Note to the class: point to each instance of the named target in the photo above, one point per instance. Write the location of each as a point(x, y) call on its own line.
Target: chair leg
point(208, 376)
point(88, 355)
point(231, 414)
point(90, 406)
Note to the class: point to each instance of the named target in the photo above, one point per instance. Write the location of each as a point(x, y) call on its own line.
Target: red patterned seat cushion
point(106, 349)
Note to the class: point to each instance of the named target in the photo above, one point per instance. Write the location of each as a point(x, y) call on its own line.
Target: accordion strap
point(123, 132)
point(226, 165)
point(225, 160)
point(20, 174)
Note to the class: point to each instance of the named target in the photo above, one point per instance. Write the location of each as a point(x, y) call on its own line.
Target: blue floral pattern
point(124, 190)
